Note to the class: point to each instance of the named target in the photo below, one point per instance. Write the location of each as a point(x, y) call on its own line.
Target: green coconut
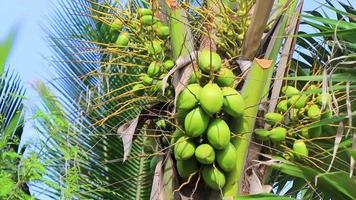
point(147, 20)
point(233, 103)
point(327, 98)
point(156, 25)
point(211, 98)
point(273, 118)
point(196, 122)
point(226, 158)
point(282, 106)
point(225, 77)
point(314, 112)
point(304, 132)
point(196, 75)
point(213, 177)
point(123, 39)
point(153, 69)
point(300, 149)
point(218, 134)
point(162, 124)
point(153, 163)
point(144, 11)
point(188, 167)
point(290, 91)
point(116, 25)
point(298, 101)
point(278, 134)
point(146, 80)
point(184, 149)
point(205, 154)
point(168, 64)
point(263, 134)
point(149, 144)
point(162, 31)
point(209, 61)
point(189, 97)
point(138, 89)
point(154, 47)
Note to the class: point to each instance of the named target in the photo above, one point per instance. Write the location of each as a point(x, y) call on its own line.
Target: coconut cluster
point(295, 110)
point(153, 35)
point(202, 141)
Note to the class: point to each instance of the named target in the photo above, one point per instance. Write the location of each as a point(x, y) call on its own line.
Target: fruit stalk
point(181, 37)
point(252, 94)
point(182, 45)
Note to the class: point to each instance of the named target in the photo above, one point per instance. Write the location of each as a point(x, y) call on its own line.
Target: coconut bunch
point(294, 112)
point(202, 138)
point(146, 37)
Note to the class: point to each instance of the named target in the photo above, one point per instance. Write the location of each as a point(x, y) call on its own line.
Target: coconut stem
point(182, 45)
point(252, 93)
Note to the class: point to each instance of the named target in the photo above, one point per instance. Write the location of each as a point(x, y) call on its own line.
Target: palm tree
point(16, 170)
point(110, 133)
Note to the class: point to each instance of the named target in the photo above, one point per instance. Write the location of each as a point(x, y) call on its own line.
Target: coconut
point(209, 61)
point(278, 134)
point(263, 134)
point(218, 134)
point(149, 144)
point(196, 122)
point(213, 177)
point(154, 47)
point(290, 91)
point(196, 76)
point(144, 11)
point(147, 20)
point(211, 98)
point(123, 39)
point(189, 97)
point(314, 112)
point(273, 118)
point(300, 149)
point(184, 149)
point(116, 25)
point(298, 101)
point(233, 103)
point(225, 78)
point(326, 96)
point(304, 132)
point(146, 80)
point(282, 106)
point(153, 69)
point(205, 154)
point(162, 124)
point(226, 158)
point(186, 168)
point(168, 64)
point(162, 31)
point(138, 89)
point(153, 163)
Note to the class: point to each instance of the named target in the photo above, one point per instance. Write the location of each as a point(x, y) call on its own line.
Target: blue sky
point(29, 54)
point(30, 49)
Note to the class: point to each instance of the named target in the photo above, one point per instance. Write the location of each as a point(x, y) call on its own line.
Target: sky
point(28, 57)
point(30, 49)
